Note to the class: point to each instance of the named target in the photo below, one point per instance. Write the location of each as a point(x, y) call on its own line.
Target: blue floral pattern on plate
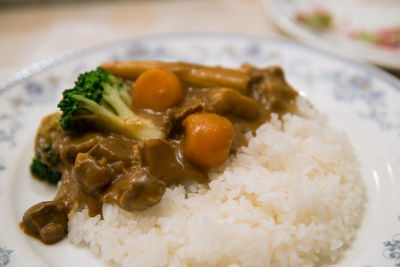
point(392, 249)
point(367, 96)
point(5, 256)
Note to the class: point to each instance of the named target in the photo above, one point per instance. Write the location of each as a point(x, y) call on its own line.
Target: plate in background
point(362, 29)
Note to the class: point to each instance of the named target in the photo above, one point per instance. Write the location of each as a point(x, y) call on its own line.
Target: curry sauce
point(99, 167)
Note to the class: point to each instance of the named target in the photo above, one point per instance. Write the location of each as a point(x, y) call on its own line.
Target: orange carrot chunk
point(157, 89)
point(208, 139)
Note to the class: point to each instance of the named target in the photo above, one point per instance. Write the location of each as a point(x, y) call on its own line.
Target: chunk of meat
point(177, 115)
point(116, 151)
point(229, 101)
point(158, 156)
point(137, 190)
point(91, 175)
point(71, 145)
point(102, 164)
point(166, 162)
point(47, 221)
point(269, 86)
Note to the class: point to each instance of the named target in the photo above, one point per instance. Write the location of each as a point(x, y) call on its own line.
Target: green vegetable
point(47, 159)
point(99, 98)
point(318, 20)
point(44, 171)
point(49, 153)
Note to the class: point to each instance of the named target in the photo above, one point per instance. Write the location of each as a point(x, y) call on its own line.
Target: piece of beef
point(269, 86)
point(102, 164)
point(229, 101)
point(166, 162)
point(46, 220)
point(175, 116)
point(136, 190)
point(72, 144)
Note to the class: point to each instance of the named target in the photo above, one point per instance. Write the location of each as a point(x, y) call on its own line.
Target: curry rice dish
point(181, 164)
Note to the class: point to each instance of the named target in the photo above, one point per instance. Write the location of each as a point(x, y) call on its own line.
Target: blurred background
point(33, 30)
point(30, 32)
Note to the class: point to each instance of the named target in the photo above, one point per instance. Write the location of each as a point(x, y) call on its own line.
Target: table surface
point(29, 33)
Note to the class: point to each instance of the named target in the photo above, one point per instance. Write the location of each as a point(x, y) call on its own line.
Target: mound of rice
point(291, 198)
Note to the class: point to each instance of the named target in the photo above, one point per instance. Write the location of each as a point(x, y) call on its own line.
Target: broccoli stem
point(127, 124)
point(112, 97)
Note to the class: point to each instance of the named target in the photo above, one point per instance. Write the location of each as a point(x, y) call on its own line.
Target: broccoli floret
point(47, 160)
point(44, 171)
point(48, 153)
point(98, 97)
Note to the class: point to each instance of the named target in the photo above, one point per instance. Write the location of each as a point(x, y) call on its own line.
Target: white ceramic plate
point(350, 17)
point(361, 100)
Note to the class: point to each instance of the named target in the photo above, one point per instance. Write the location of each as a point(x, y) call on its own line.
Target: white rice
point(291, 198)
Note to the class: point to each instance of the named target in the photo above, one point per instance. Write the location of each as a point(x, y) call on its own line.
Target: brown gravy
point(102, 168)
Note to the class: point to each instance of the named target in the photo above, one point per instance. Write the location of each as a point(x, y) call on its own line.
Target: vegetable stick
point(193, 74)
